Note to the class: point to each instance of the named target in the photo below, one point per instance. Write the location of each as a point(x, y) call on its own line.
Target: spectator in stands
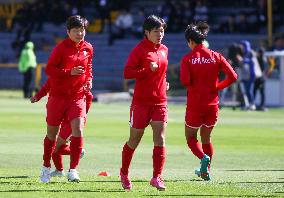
point(103, 7)
point(147, 64)
point(260, 77)
point(242, 24)
point(23, 23)
point(167, 13)
point(138, 19)
point(278, 43)
point(235, 58)
point(60, 11)
point(39, 11)
point(201, 11)
point(274, 62)
point(123, 25)
point(261, 12)
point(2, 24)
point(253, 23)
point(188, 12)
point(27, 65)
point(249, 71)
point(178, 18)
point(229, 26)
point(122, 4)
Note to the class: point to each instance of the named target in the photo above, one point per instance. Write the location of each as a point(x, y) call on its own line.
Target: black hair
point(197, 32)
point(234, 50)
point(76, 21)
point(152, 22)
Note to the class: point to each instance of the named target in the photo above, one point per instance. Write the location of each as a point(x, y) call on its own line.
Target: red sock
point(48, 148)
point(195, 147)
point(208, 150)
point(58, 161)
point(64, 149)
point(76, 147)
point(159, 157)
point(57, 157)
point(127, 154)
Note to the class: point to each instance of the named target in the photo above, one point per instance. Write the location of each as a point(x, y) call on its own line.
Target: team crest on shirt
point(163, 53)
point(85, 53)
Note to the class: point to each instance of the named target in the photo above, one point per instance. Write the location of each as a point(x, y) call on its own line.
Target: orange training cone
point(104, 174)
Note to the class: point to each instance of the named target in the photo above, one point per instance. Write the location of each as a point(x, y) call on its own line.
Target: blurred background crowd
point(117, 17)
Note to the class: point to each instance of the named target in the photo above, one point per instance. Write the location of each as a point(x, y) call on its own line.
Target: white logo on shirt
point(85, 53)
point(202, 60)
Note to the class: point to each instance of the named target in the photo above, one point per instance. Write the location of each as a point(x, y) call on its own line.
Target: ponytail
point(197, 32)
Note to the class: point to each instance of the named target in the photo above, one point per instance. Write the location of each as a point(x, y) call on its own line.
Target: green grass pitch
point(248, 159)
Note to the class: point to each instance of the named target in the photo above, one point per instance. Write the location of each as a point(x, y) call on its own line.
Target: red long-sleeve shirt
point(63, 58)
point(44, 90)
point(150, 87)
point(199, 72)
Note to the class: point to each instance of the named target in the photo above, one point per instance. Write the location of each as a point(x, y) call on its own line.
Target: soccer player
point(69, 69)
point(61, 147)
point(147, 64)
point(199, 73)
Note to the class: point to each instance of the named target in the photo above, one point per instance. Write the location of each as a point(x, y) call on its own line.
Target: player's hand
point(168, 86)
point(239, 58)
point(33, 99)
point(77, 70)
point(154, 66)
point(88, 85)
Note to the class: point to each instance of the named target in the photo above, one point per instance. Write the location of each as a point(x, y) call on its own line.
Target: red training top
point(199, 72)
point(44, 90)
point(150, 87)
point(63, 58)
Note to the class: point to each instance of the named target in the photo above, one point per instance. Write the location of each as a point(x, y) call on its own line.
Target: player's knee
point(52, 132)
point(77, 132)
point(133, 143)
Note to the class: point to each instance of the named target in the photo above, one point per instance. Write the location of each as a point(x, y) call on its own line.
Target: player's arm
point(131, 70)
point(42, 92)
point(89, 72)
point(89, 99)
point(184, 72)
point(231, 75)
point(168, 85)
point(53, 65)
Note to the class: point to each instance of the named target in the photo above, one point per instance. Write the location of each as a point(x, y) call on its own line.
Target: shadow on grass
point(180, 180)
point(99, 181)
point(15, 177)
point(264, 182)
point(5, 182)
point(264, 170)
point(96, 190)
point(195, 195)
point(137, 181)
point(17, 183)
